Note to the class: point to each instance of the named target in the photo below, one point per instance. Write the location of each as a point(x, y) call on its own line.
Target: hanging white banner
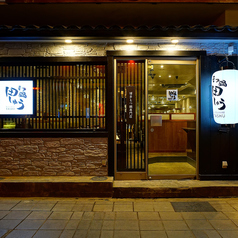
point(225, 96)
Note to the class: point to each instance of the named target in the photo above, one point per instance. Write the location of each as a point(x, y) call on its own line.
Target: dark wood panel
point(170, 137)
point(121, 1)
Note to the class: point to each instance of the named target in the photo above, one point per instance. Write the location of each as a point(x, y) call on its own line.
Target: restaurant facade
point(128, 102)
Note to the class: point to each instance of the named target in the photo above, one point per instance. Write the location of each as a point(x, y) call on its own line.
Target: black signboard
point(130, 105)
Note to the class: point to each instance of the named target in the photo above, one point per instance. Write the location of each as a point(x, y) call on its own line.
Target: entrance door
point(172, 107)
point(130, 111)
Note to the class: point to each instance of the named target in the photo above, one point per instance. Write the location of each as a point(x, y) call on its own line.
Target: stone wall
point(53, 50)
point(53, 156)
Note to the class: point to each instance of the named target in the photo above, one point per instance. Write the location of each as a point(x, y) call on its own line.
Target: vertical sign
point(130, 104)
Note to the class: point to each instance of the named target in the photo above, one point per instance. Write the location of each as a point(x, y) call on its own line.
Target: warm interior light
point(68, 41)
point(130, 41)
point(174, 41)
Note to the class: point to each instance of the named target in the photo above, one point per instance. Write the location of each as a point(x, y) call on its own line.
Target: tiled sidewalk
point(118, 218)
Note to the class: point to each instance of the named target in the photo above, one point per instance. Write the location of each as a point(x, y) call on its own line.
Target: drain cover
point(193, 207)
point(99, 178)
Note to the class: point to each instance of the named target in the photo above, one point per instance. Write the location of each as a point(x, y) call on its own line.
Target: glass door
point(172, 107)
point(130, 111)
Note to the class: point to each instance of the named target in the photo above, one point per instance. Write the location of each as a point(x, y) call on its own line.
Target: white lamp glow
point(225, 96)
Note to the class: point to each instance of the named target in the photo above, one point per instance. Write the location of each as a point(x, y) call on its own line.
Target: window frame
point(27, 61)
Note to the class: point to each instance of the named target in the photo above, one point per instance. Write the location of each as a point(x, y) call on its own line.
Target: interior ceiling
point(109, 14)
point(181, 77)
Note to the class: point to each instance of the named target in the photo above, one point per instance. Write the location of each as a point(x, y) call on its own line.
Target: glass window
point(67, 96)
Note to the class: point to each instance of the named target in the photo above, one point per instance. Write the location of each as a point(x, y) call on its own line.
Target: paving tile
point(163, 207)
point(106, 208)
point(48, 234)
point(170, 216)
point(126, 215)
point(126, 207)
point(17, 215)
point(234, 205)
point(84, 224)
point(199, 225)
point(193, 215)
point(148, 216)
point(54, 224)
point(60, 215)
point(88, 216)
point(231, 215)
point(63, 207)
point(110, 215)
point(143, 206)
point(206, 234)
point(3, 214)
point(180, 234)
point(68, 234)
point(80, 233)
point(43, 206)
point(39, 215)
point(99, 215)
point(125, 234)
point(9, 224)
point(151, 225)
point(13, 202)
point(72, 224)
point(129, 225)
point(153, 234)
point(175, 226)
point(108, 225)
point(77, 215)
point(106, 234)
point(30, 224)
point(229, 234)
point(93, 234)
point(223, 225)
point(83, 207)
point(193, 207)
point(103, 202)
point(3, 232)
point(96, 225)
point(223, 206)
point(25, 205)
point(123, 202)
point(214, 215)
point(6, 207)
point(21, 234)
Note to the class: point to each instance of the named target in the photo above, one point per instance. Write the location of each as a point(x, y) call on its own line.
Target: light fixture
point(174, 41)
point(169, 76)
point(129, 41)
point(68, 41)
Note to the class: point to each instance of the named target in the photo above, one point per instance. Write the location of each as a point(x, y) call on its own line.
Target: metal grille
point(130, 137)
point(69, 96)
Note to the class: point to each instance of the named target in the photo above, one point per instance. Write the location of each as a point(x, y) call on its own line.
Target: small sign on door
point(172, 94)
point(130, 104)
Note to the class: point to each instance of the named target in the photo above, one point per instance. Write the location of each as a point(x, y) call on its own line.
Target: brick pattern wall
point(53, 156)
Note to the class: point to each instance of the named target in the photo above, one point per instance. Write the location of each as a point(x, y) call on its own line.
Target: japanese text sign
point(16, 97)
point(130, 104)
point(172, 94)
point(225, 96)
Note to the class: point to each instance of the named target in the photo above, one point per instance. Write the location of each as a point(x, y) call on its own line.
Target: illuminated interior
point(172, 117)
